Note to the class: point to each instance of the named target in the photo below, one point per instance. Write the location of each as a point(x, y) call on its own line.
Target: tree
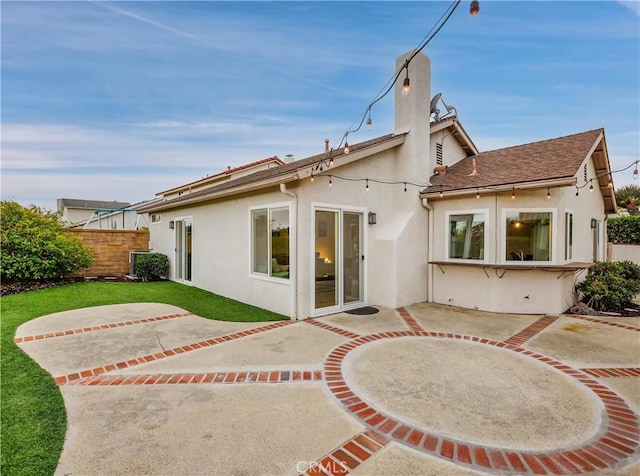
point(628, 197)
point(35, 244)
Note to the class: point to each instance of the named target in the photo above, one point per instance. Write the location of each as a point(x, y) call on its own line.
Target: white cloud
point(633, 5)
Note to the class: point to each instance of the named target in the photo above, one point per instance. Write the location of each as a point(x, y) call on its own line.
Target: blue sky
point(120, 100)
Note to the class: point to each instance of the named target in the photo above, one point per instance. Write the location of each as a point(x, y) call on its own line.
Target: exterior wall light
point(172, 225)
point(372, 218)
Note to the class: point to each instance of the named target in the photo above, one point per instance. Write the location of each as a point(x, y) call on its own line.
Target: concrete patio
point(424, 390)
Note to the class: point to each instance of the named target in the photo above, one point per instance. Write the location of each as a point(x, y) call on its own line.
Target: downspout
point(429, 209)
point(293, 263)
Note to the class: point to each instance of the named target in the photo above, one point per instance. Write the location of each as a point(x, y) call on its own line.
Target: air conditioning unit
point(133, 255)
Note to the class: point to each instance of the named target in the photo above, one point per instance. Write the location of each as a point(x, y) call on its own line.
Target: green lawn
point(33, 413)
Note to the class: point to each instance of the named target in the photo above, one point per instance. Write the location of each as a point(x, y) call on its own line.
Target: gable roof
point(547, 163)
point(89, 204)
point(288, 172)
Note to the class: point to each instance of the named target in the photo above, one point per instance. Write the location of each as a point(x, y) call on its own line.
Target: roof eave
point(471, 190)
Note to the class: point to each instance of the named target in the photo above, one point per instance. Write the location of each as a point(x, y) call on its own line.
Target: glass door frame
point(181, 259)
point(341, 306)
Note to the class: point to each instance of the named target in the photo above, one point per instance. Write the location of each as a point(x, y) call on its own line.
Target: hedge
point(624, 229)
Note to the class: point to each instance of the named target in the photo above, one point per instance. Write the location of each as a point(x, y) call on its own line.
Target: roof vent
point(475, 169)
point(288, 158)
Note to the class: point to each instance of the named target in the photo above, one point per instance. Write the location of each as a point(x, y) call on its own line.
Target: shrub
point(152, 266)
point(624, 229)
point(35, 245)
point(610, 286)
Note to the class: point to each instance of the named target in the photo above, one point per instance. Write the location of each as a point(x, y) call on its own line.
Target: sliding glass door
point(184, 240)
point(337, 260)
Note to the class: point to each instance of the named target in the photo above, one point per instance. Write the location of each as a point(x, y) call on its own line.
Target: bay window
point(528, 235)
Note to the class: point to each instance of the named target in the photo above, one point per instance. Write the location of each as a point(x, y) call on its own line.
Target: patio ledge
point(563, 269)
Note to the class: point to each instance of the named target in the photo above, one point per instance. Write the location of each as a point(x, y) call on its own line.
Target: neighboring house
point(77, 210)
point(125, 218)
point(322, 235)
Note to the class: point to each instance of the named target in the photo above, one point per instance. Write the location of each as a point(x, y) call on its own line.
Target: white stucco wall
point(624, 252)
point(517, 291)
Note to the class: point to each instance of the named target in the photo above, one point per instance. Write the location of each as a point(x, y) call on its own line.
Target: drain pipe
point(293, 260)
point(429, 208)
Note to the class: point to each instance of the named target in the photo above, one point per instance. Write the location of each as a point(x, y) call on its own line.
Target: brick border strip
point(349, 455)
point(613, 372)
point(409, 320)
point(531, 331)
point(617, 441)
point(261, 376)
point(102, 327)
point(61, 380)
point(606, 323)
point(327, 327)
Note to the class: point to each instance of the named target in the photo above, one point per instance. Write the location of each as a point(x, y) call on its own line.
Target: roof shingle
point(537, 161)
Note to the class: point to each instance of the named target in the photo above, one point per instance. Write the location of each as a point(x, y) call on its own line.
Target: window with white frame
point(466, 235)
point(568, 236)
point(155, 218)
point(270, 242)
point(528, 235)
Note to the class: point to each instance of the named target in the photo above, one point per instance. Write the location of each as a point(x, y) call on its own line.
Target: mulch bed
point(23, 286)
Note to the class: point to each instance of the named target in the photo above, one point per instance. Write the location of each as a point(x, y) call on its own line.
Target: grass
point(33, 414)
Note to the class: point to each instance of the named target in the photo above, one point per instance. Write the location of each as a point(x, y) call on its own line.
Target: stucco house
point(368, 226)
point(76, 210)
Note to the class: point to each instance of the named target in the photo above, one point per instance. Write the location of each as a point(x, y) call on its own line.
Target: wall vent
point(438, 153)
point(585, 173)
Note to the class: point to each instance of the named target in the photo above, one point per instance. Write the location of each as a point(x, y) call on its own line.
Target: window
point(568, 236)
point(155, 218)
point(270, 242)
point(528, 236)
point(466, 239)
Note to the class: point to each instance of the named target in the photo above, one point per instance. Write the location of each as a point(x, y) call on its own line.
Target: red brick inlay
point(617, 441)
point(83, 330)
point(409, 320)
point(327, 327)
point(531, 331)
point(168, 353)
point(613, 372)
point(275, 376)
point(606, 323)
point(348, 456)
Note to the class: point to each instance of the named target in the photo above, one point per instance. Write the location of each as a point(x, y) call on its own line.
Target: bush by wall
point(624, 229)
point(611, 286)
point(35, 245)
point(152, 266)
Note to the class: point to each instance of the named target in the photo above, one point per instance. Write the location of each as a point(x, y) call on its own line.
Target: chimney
point(326, 146)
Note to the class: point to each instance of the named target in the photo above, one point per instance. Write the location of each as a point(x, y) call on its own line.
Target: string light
point(635, 172)
point(441, 192)
point(330, 182)
point(548, 194)
point(405, 186)
point(406, 85)
point(346, 145)
point(474, 8)
point(312, 177)
point(590, 186)
point(609, 184)
point(367, 187)
point(369, 121)
point(477, 193)
point(513, 193)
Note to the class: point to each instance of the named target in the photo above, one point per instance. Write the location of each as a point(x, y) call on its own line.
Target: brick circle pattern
point(617, 440)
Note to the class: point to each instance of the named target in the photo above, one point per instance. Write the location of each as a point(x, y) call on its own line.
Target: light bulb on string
point(441, 192)
point(478, 194)
point(548, 194)
point(405, 186)
point(369, 121)
point(330, 181)
point(590, 186)
point(609, 183)
point(406, 85)
point(513, 193)
point(346, 147)
point(635, 172)
point(474, 8)
point(312, 177)
point(367, 186)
